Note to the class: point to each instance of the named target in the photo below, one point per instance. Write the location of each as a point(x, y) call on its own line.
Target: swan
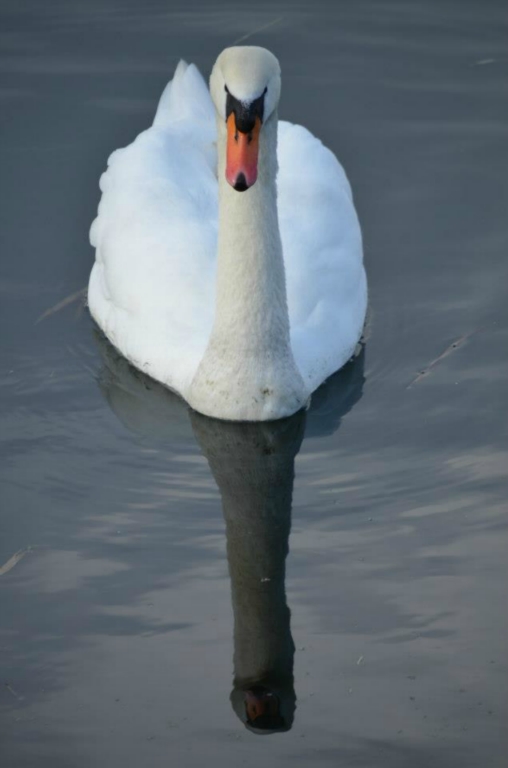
point(229, 262)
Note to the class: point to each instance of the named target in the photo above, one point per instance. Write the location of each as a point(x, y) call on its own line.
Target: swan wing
point(152, 286)
point(322, 246)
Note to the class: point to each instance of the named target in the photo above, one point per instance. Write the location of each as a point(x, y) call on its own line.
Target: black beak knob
point(241, 183)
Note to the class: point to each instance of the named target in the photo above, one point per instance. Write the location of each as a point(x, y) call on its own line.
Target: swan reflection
point(253, 466)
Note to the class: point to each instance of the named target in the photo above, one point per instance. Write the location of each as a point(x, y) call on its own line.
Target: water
point(153, 604)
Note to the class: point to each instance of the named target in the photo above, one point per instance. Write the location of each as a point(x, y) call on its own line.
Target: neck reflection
point(253, 465)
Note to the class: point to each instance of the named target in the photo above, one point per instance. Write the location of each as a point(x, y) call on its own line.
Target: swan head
point(245, 88)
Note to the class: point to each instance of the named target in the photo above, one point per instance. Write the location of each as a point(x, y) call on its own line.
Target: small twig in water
point(453, 346)
point(14, 560)
point(255, 31)
point(11, 690)
point(62, 304)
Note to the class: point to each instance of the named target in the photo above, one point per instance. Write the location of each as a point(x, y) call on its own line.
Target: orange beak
point(242, 155)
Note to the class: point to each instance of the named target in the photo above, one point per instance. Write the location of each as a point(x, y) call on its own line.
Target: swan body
point(235, 280)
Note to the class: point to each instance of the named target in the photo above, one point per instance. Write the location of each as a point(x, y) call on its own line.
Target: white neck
point(248, 371)
point(251, 284)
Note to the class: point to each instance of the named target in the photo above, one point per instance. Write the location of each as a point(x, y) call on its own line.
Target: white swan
point(242, 295)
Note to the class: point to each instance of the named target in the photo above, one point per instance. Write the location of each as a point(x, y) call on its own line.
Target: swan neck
point(250, 278)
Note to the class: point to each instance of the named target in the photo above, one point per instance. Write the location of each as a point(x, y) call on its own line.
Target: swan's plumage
point(152, 288)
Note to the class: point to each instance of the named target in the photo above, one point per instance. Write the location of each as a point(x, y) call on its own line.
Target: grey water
point(328, 590)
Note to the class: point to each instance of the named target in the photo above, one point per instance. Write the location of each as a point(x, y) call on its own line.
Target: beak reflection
point(262, 709)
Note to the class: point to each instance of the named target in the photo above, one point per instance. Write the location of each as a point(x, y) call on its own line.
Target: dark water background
point(117, 624)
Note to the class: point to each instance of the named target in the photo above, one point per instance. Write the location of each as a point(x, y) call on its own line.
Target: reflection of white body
point(243, 302)
point(253, 466)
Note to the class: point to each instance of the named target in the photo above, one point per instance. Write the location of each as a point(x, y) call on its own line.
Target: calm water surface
point(344, 570)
